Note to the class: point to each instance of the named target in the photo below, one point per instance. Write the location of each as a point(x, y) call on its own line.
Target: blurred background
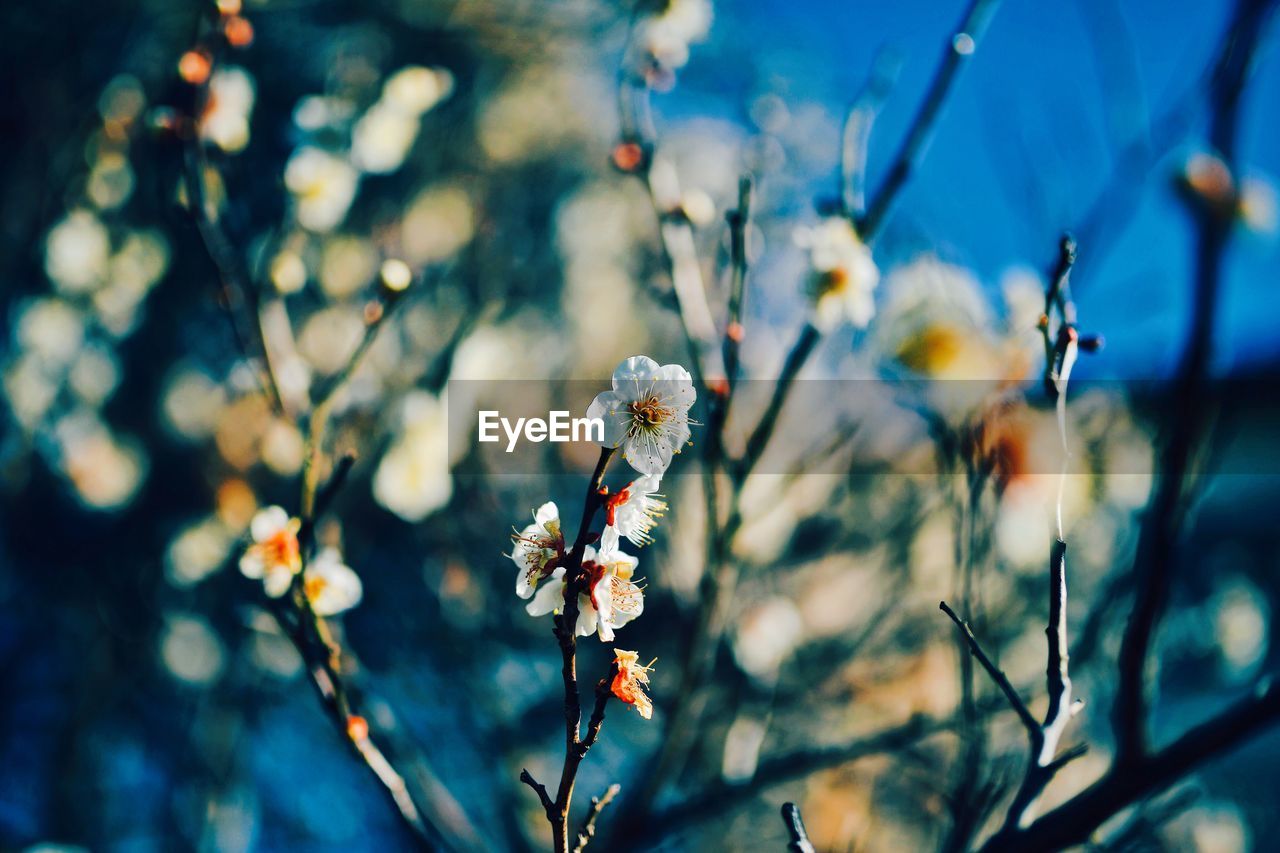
point(152, 702)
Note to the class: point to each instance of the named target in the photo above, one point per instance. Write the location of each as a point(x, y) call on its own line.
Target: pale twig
point(588, 830)
point(855, 137)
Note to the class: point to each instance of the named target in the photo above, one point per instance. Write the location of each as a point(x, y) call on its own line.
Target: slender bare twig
point(588, 830)
point(961, 46)
point(1001, 680)
point(798, 838)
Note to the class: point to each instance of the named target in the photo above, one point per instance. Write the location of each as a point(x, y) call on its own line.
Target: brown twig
point(961, 46)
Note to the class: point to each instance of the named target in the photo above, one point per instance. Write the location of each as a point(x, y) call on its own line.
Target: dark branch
point(994, 671)
point(588, 830)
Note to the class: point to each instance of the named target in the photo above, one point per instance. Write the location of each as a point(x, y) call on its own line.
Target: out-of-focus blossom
point(634, 510)
point(647, 412)
point(288, 272)
point(94, 375)
point(843, 276)
point(382, 138)
point(274, 557)
point(664, 38)
point(225, 122)
point(631, 680)
point(415, 89)
point(317, 112)
point(609, 598)
point(1258, 205)
point(1241, 622)
point(542, 112)
point(413, 478)
point(51, 329)
point(197, 551)
point(330, 584)
point(191, 650)
point(1206, 176)
point(537, 549)
point(347, 265)
point(766, 636)
point(283, 447)
point(110, 180)
point(192, 402)
point(439, 222)
point(323, 187)
point(77, 252)
point(30, 390)
point(106, 472)
point(330, 336)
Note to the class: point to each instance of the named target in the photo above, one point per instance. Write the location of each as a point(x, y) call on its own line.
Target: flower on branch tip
point(330, 584)
point(634, 510)
point(609, 597)
point(647, 412)
point(843, 276)
point(538, 549)
point(630, 681)
point(274, 557)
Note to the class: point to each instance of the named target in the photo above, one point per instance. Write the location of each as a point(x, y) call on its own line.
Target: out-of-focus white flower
point(77, 252)
point(609, 598)
point(288, 272)
point(635, 509)
point(347, 265)
point(192, 403)
point(413, 478)
point(191, 650)
point(110, 180)
point(631, 680)
point(323, 187)
point(330, 336)
point(283, 447)
point(94, 375)
point(30, 390)
point(330, 584)
point(843, 276)
point(766, 636)
point(537, 549)
point(415, 89)
point(225, 122)
point(316, 112)
point(665, 37)
point(50, 329)
point(274, 557)
point(1241, 621)
point(106, 472)
point(647, 412)
point(197, 551)
point(439, 222)
point(1258, 205)
point(382, 138)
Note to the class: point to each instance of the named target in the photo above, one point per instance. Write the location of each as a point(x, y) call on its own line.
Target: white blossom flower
point(647, 412)
point(330, 584)
point(225, 122)
point(843, 274)
point(274, 555)
point(537, 549)
point(323, 186)
point(634, 510)
point(609, 599)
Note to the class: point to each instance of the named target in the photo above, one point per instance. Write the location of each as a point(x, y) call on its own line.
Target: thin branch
point(961, 46)
point(588, 830)
point(1001, 680)
point(541, 790)
point(798, 838)
point(1156, 551)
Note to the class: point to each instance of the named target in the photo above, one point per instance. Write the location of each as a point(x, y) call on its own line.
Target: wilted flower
point(634, 510)
point(331, 586)
point(274, 555)
point(843, 274)
point(647, 412)
point(628, 685)
point(537, 549)
point(609, 600)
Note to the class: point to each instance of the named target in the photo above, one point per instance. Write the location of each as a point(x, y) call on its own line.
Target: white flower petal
point(268, 522)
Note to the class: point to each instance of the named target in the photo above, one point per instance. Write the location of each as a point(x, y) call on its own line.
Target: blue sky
point(1028, 142)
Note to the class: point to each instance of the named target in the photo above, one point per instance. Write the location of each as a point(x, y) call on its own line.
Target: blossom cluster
point(646, 417)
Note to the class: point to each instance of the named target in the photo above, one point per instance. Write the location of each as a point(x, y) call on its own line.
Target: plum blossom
point(631, 679)
point(274, 557)
point(610, 598)
point(330, 584)
point(646, 413)
point(634, 510)
point(843, 275)
point(538, 549)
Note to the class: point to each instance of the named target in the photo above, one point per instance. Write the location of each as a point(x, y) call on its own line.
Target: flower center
point(281, 549)
point(649, 413)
